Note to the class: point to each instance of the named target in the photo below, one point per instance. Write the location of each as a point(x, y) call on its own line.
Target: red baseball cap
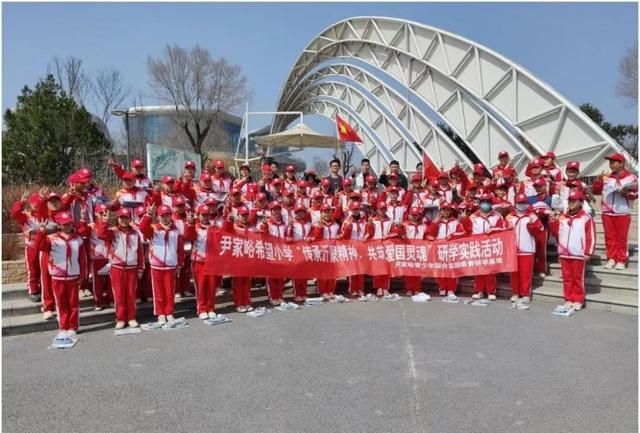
point(101, 207)
point(522, 198)
point(381, 205)
point(537, 163)
point(325, 182)
point(235, 191)
point(168, 180)
point(353, 206)
point(204, 177)
point(550, 155)
point(393, 176)
point(300, 207)
point(63, 218)
point(203, 209)
point(190, 164)
point(347, 182)
point(266, 168)
point(136, 163)
point(302, 184)
point(53, 195)
point(416, 178)
point(127, 175)
point(615, 157)
point(261, 196)
point(503, 153)
point(139, 211)
point(478, 169)
point(243, 210)
point(394, 190)
point(179, 201)
point(220, 164)
point(163, 210)
point(245, 165)
point(573, 164)
point(370, 179)
point(445, 204)
point(317, 194)
point(355, 194)
point(290, 168)
point(576, 195)
point(325, 207)
point(276, 182)
point(123, 212)
point(443, 175)
point(414, 211)
point(275, 204)
point(289, 193)
point(486, 197)
point(539, 182)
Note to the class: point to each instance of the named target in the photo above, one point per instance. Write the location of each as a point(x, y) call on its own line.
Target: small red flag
point(431, 171)
point(346, 132)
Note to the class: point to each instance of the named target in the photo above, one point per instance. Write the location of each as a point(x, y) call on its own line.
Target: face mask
point(485, 207)
point(521, 207)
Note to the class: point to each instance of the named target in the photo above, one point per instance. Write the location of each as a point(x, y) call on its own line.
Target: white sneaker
point(492, 297)
point(577, 306)
point(241, 310)
point(451, 295)
point(203, 316)
point(119, 325)
point(133, 323)
point(72, 333)
point(525, 300)
point(47, 315)
point(212, 315)
point(610, 264)
point(162, 320)
point(442, 292)
point(620, 267)
point(249, 308)
point(478, 295)
point(514, 298)
point(170, 318)
point(568, 305)
point(178, 295)
point(97, 309)
point(542, 275)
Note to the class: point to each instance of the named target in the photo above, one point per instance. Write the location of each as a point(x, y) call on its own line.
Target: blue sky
point(574, 47)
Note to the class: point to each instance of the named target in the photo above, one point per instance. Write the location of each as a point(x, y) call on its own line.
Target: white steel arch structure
point(451, 71)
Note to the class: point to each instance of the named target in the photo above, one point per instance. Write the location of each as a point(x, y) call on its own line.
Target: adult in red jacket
point(166, 258)
point(355, 228)
point(299, 229)
point(484, 221)
point(126, 256)
point(413, 229)
point(576, 234)
point(67, 264)
point(276, 227)
point(619, 190)
point(241, 286)
point(326, 229)
point(527, 227)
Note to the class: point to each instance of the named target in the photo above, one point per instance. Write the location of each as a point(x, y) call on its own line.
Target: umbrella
point(299, 136)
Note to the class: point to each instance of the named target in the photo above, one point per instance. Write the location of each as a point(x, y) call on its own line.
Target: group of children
point(150, 241)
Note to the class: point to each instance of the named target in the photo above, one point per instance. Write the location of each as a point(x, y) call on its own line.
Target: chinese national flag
point(431, 171)
point(346, 132)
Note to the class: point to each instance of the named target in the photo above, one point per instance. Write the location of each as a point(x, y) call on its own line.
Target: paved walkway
point(382, 367)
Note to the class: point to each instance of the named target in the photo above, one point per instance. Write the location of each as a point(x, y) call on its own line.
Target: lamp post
point(126, 112)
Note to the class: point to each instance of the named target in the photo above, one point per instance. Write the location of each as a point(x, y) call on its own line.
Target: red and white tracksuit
point(299, 230)
point(133, 195)
point(526, 226)
point(100, 268)
point(205, 283)
point(326, 230)
point(241, 286)
point(576, 236)
point(369, 196)
point(381, 228)
point(478, 223)
point(616, 211)
point(431, 203)
point(414, 231)
point(446, 229)
point(183, 281)
point(29, 224)
point(396, 212)
point(278, 229)
point(356, 231)
point(142, 181)
point(126, 256)
point(67, 265)
point(166, 256)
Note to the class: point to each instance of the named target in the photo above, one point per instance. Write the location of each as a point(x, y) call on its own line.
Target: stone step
point(615, 303)
point(555, 281)
point(602, 273)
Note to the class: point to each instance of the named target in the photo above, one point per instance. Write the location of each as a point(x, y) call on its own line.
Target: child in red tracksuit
point(126, 256)
point(416, 230)
point(355, 228)
point(446, 226)
point(67, 266)
point(382, 227)
point(299, 230)
point(166, 258)
point(205, 283)
point(526, 225)
point(183, 282)
point(485, 220)
point(576, 234)
point(241, 286)
point(99, 262)
point(275, 226)
point(326, 229)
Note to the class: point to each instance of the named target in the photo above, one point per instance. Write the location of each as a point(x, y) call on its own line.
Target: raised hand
point(25, 196)
point(151, 210)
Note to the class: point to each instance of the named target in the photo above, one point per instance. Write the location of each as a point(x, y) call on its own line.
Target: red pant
point(300, 288)
point(448, 284)
point(124, 283)
point(205, 288)
point(616, 235)
point(183, 283)
point(241, 287)
point(32, 260)
point(275, 288)
point(485, 283)
point(540, 264)
point(573, 279)
point(521, 279)
point(412, 284)
point(381, 282)
point(326, 287)
point(163, 283)
point(100, 283)
point(356, 283)
point(67, 303)
point(48, 300)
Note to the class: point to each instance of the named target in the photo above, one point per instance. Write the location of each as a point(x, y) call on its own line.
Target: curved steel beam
point(543, 117)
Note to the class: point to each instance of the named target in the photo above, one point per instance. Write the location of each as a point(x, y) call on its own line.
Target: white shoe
point(241, 310)
point(188, 293)
point(212, 315)
point(610, 264)
point(203, 316)
point(47, 315)
point(133, 323)
point(178, 295)
point(514, 298)
point(442, 292)
point(542, 275)
point(162, 320)
point(451, 295)
point(72, 333)
point(492, 297)
point(620, 267)
point(568, 305)
point(249, 308)
point(478, 295)
point(577, 306)
point(170, 318)
point(525, 300)
point(97, 309)
point(119, 325)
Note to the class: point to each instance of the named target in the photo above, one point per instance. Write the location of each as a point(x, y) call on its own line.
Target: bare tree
point(71, 77)
point(198, 86)
point(320, 166)
point(628, 81)
point(108, 92)
point(345, 154)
